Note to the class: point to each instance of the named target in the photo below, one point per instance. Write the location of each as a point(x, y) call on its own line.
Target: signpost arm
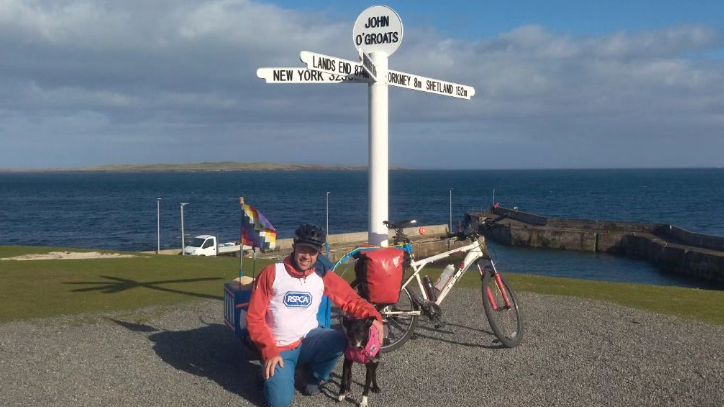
point(378, 152)
point(377, 34)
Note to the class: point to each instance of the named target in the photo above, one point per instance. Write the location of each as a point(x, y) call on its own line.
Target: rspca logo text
point(297, 299)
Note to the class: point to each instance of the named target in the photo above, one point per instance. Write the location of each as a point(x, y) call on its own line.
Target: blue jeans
point(320, 350)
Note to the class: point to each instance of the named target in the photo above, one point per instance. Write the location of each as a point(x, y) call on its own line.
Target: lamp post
point(158, 225)
point(326, 230)
point(451, 210)
point(327, 216)
point(183, 243)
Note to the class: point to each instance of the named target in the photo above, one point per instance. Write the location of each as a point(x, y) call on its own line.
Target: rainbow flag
point(256, 230)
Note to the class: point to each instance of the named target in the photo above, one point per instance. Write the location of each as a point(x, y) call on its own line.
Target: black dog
point(361, 348)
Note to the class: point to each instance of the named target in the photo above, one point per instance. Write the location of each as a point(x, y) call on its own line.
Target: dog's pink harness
point(369, 352)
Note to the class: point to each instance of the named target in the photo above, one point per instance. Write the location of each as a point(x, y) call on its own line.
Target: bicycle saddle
point(401, 224)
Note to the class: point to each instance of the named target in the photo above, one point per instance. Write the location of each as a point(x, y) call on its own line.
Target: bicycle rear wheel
point(501, 307)
point(400, 320)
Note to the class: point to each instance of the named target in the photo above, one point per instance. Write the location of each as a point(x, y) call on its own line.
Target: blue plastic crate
point(236, 302)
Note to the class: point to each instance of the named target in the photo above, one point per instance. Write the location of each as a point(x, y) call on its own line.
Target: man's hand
point(271, 365)
point(380, 327)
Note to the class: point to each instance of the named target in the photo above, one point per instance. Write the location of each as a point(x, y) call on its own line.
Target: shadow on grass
point(117, 285)
point(212, 352)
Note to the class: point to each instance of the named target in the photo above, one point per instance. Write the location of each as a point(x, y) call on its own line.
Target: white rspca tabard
point(294, 305)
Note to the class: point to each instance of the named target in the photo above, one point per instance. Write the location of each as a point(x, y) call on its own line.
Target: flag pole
point(241, 240)
point(253, 264)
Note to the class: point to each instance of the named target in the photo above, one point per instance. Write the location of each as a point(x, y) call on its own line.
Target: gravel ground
point(574, 352)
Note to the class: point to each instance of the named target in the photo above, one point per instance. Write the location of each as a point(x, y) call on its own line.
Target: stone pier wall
point(666, 246)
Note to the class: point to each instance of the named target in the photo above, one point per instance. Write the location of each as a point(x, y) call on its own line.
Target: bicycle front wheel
point(501, 308)
point(400, 320)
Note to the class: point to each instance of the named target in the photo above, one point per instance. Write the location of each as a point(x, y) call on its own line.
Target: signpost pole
point(377, 34)
point(378, 153)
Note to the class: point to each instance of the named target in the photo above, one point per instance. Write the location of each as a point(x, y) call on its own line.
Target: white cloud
point(166, 72)
point(666, 43)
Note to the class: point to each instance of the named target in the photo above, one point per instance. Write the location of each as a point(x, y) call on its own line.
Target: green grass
point(44, 288)
point(38, 289)
point(687, 303)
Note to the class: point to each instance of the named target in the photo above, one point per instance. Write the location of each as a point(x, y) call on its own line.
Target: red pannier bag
point(379, 275)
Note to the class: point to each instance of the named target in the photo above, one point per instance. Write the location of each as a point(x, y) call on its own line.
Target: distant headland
point(223, 166)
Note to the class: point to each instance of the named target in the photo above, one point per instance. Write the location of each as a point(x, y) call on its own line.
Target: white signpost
point(369, 66)
point(421, 83)
point(303, 75)
point(332, 65)
point(377, 29)
point(377, 34)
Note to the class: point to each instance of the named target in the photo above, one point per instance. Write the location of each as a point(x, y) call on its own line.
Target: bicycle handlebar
point(467, 233)
point(490, 222)
point(460, 235)
point(400, 225)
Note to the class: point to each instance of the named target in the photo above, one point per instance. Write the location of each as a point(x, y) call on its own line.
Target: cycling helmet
point(310, 235)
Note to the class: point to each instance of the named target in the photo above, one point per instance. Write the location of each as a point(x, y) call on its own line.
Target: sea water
point(118, 211)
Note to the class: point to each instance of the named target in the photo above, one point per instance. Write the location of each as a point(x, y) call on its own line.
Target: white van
point(207, 245)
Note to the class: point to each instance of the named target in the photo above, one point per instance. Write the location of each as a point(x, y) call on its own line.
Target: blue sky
point(475, 19)
point(560, 84)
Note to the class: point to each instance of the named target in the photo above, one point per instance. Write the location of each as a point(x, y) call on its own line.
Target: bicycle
point(499, 301)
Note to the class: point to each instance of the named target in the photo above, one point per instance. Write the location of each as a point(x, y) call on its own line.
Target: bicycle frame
point(474, 252)
point(499, 302)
